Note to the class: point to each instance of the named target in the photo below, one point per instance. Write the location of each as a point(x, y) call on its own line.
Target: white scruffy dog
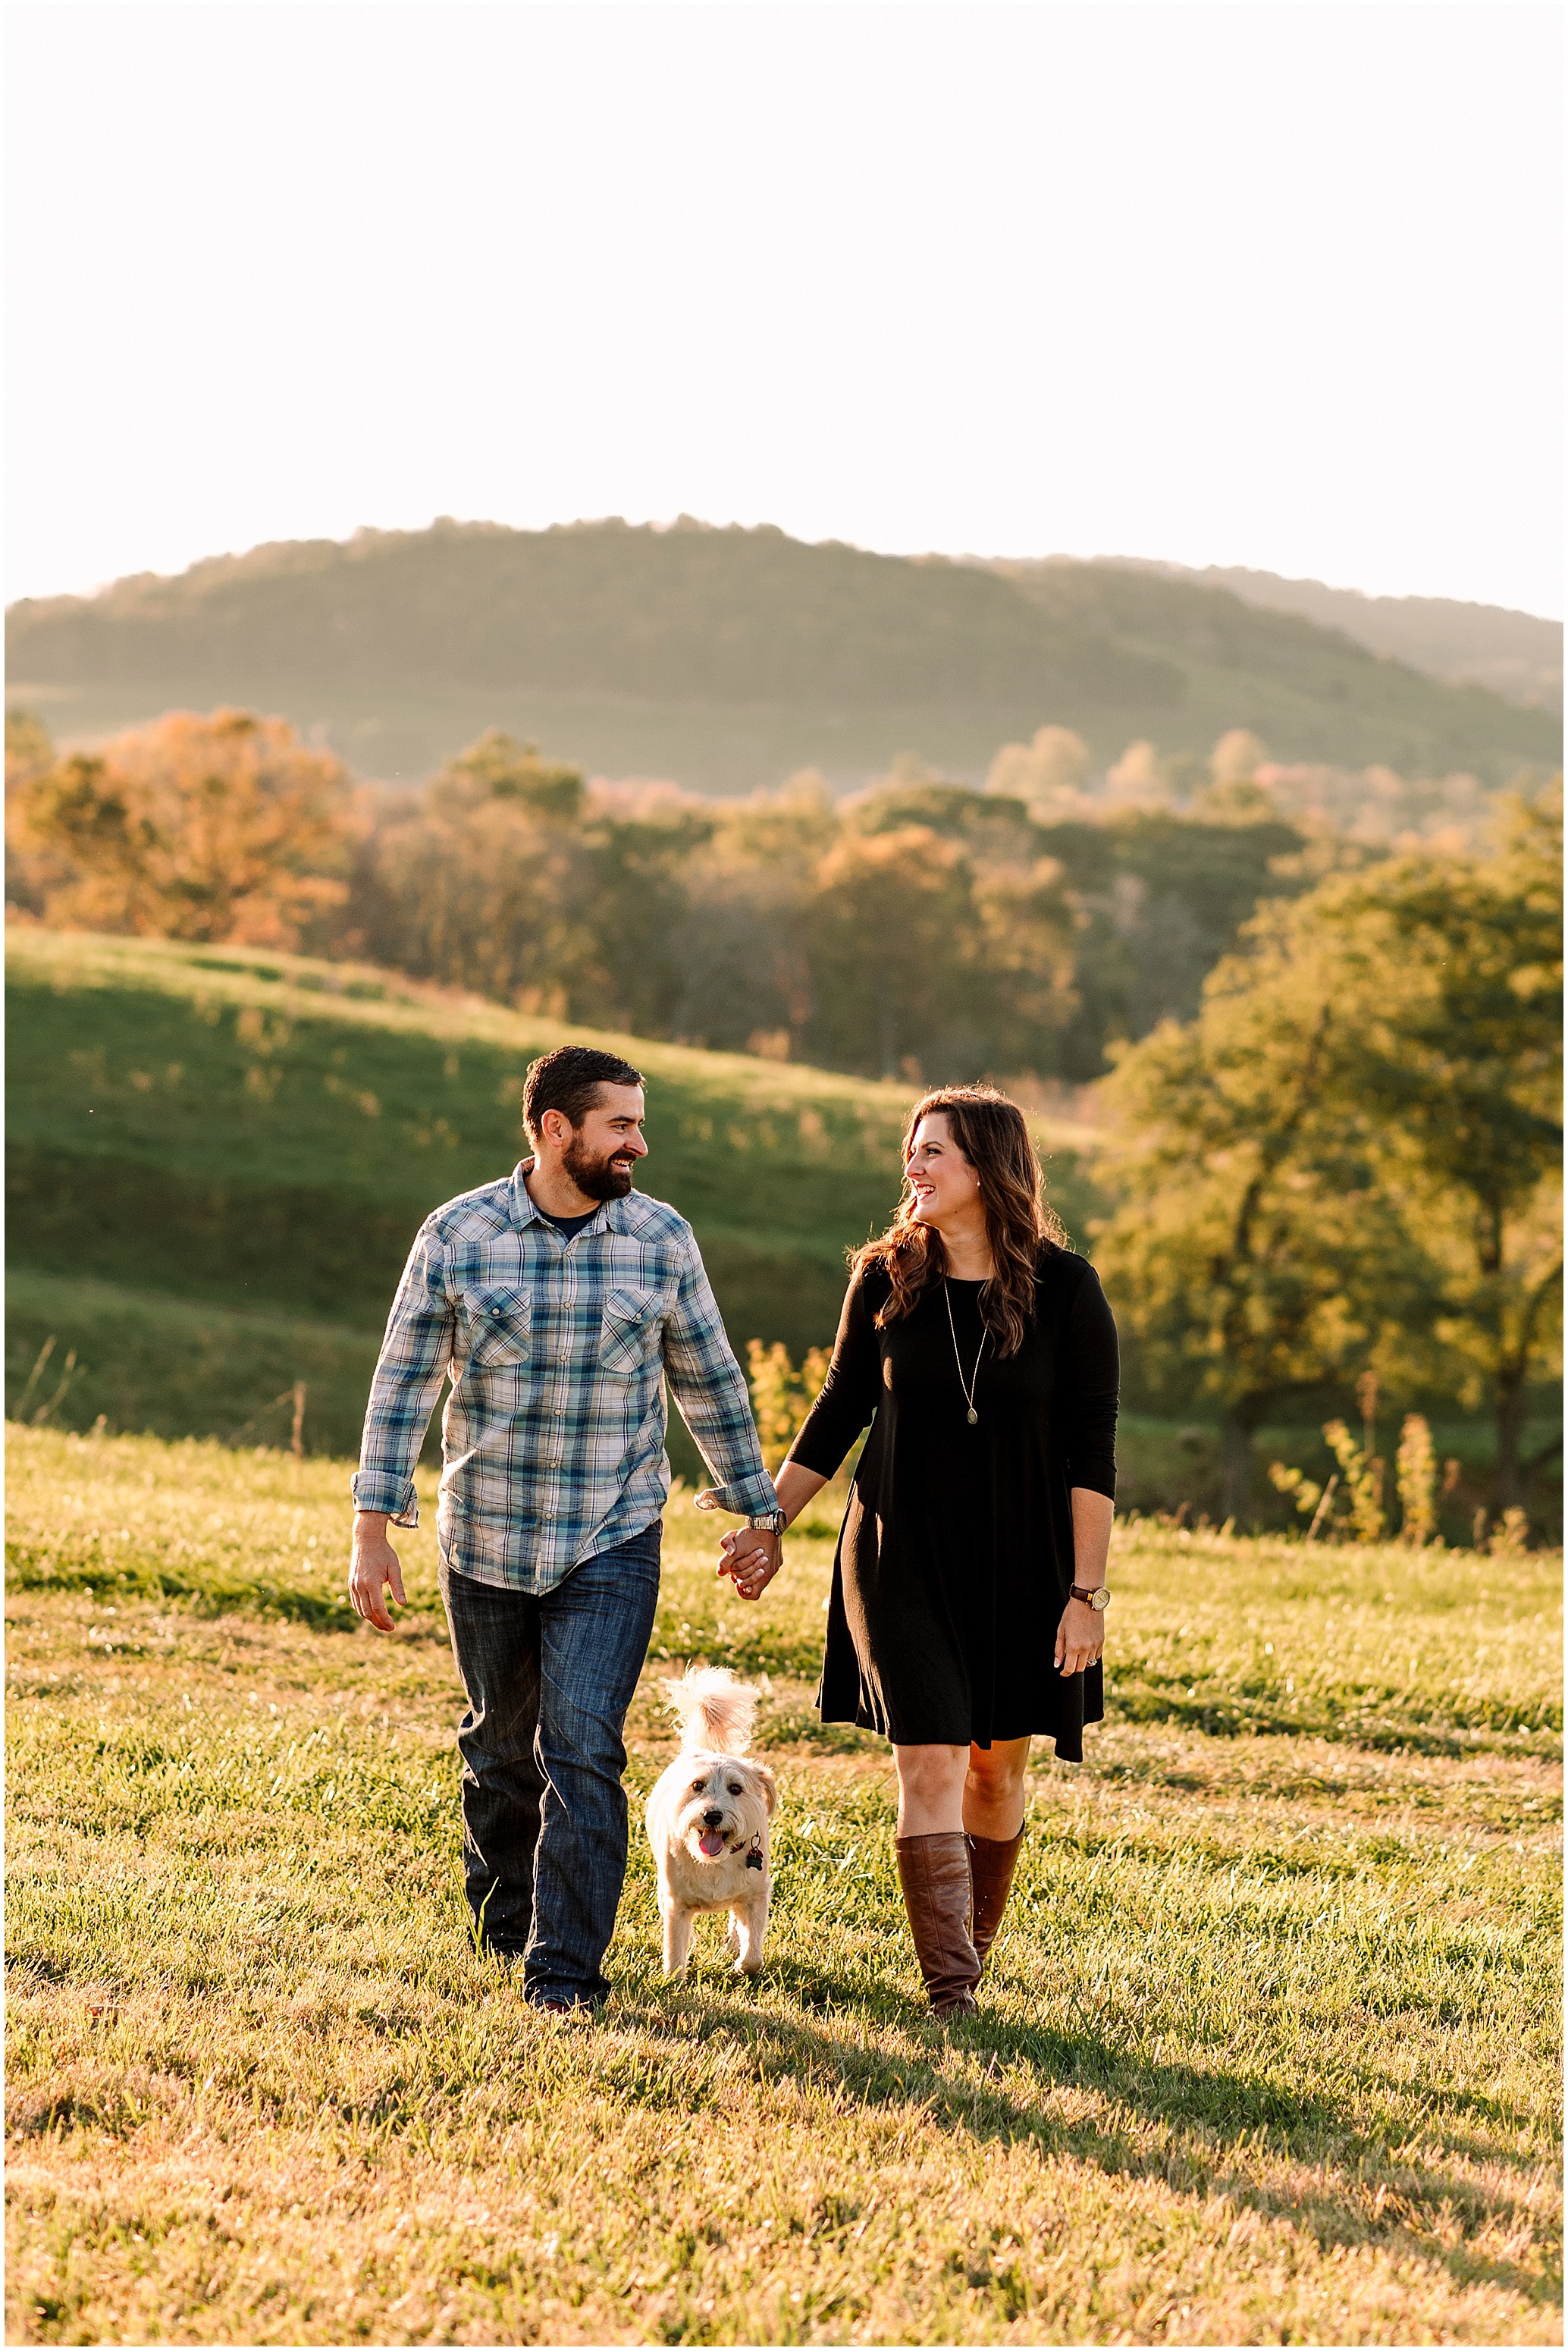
point(708, 1819)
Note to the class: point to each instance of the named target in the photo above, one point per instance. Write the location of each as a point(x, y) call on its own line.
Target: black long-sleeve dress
point(955, 1555)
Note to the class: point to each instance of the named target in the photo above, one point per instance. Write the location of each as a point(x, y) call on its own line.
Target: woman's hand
point(752, 1558)
point(1080, 1637)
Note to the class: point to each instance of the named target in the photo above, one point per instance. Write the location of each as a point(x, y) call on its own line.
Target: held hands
point(1080, 1637)
point(752, 1559)
point(373, 1567)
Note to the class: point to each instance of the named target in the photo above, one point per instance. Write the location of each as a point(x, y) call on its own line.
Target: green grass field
point(217, 1159)
point(241, 1146)
point(1270, 2049)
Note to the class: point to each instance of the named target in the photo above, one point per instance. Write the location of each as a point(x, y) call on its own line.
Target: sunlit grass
point(1268, 2052)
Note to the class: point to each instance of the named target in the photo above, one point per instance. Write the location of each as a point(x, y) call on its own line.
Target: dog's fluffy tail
point(716, 1712)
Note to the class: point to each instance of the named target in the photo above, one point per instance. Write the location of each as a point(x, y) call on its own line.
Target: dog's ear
point(769, 1788)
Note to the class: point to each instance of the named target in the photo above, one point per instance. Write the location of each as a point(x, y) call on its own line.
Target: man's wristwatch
point(1097, 1596)
point(769, 1522)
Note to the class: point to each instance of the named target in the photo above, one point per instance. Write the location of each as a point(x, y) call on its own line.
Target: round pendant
point(973, 1415)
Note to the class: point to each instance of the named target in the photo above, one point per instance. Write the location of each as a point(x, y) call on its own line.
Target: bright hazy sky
point(1272, 284)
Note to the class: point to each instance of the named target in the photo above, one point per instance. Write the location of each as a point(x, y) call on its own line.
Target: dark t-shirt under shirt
point(566, 1225)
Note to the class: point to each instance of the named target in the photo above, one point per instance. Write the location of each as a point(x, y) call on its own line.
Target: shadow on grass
point(1360, 2195)
point(1377, 1723)
point(31, 1569)
point(203, 1590)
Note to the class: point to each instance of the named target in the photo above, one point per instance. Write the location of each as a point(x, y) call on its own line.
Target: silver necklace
point(969, 1385)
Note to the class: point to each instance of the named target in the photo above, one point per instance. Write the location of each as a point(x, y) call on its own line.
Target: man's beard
point(597, 1179)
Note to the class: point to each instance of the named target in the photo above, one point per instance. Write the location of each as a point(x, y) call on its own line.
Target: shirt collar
point(526, 1211)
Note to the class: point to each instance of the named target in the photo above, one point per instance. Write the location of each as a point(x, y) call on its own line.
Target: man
point(559, 1299)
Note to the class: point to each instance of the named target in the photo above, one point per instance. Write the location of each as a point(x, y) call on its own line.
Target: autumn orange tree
point(219, 827)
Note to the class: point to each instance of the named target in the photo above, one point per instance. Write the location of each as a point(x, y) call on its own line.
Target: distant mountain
point(727, 658)
point(1515, 654)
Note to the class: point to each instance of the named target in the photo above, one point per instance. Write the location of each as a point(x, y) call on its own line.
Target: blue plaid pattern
point(553, 1433)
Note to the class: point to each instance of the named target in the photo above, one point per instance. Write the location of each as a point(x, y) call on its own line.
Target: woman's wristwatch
point(1097, 1596)
point(769, 1522)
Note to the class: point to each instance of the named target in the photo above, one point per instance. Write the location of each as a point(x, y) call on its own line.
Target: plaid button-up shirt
point(558, 1350)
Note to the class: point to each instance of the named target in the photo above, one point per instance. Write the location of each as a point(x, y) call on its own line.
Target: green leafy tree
point(1455, 965)
point(498, 768)
point(1350, 1159)
point(488, 884)
point(640, 857)
point(29, 752)
point(746, 976)
point(895, 939)
point(1254, 1256)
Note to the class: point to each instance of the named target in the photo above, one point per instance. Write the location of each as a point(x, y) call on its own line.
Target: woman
point(971, 1578)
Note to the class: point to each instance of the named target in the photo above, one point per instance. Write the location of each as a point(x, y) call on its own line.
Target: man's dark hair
point(568, 1080)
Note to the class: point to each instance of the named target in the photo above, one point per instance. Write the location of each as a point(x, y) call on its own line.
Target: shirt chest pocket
point(498, 1324)
point(629, 1333)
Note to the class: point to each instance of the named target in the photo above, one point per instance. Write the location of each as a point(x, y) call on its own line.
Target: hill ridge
point(725, 656)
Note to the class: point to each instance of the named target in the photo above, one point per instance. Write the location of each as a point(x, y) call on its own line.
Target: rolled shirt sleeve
point(710, 1389)
point(414, 1356)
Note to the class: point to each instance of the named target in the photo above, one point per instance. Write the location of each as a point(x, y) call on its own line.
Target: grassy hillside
point(725, 658)
point(1271, 2042)
point(197, 1134)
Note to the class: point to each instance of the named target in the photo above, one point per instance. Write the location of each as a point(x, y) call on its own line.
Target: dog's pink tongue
point(710, 1843)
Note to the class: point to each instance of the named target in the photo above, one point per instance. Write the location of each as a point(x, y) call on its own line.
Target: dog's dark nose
point(713, 1817)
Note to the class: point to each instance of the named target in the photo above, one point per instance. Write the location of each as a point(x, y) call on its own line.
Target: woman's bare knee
point(994, 1787)
point(930, 1788)
point(929, 1769)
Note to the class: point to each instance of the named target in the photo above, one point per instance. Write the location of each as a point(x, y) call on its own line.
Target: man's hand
point(374, 1565)
point(753, 1558)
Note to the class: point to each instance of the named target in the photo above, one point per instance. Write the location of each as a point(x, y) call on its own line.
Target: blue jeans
point(548, 1677)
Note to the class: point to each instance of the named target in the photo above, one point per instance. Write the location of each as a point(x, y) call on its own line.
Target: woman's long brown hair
point(993, 1135)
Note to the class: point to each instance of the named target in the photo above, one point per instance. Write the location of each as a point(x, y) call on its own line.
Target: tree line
point(920, 929)
point(1333, 1138)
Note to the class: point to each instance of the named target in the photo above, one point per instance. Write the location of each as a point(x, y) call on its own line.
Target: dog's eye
point(697, 1787)
point(735, 1787)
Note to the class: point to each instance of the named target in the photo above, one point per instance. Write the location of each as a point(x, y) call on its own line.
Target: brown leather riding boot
point(934, 1871)
point(992, 1861)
